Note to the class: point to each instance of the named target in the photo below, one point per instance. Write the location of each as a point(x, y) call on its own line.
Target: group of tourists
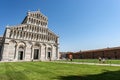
point(101, 60)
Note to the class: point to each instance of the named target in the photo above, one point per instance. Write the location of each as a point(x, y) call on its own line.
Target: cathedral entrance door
point(20, 55)
point(36, 53)
point(49, 55)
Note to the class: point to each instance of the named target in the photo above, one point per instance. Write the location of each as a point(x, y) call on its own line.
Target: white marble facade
point(31, 40)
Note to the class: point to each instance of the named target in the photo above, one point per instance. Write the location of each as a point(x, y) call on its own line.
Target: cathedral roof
point(37, 15)
point(35, 23)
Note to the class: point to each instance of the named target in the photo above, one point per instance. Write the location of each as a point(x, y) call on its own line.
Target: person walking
point(103, 60)
point(100, 59)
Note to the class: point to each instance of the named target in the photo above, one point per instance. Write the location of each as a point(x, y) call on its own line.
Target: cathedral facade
point(29, 41)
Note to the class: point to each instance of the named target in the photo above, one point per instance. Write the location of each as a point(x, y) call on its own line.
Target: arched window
point(32, 28)
point(20, 34)
point(32, 36)
point(35, 28)
point(40, 29)
point(37, 37)
point(37, 15)
point(27, 35)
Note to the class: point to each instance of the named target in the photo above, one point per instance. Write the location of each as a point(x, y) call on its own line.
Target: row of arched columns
point(16, 34)
point(31, 28)
point(35, 21)
point(37, 15)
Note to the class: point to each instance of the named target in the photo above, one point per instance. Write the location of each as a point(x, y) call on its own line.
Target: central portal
point(36, 53)
point(20, 55)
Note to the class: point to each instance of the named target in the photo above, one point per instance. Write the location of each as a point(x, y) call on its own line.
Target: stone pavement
point(88, 63)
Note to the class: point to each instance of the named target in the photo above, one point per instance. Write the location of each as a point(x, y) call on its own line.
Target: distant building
point(31, 40)
point(109, 53)
point(62, 55)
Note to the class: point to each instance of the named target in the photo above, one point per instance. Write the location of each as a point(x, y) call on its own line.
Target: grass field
point(108, 61)
point(56, 71)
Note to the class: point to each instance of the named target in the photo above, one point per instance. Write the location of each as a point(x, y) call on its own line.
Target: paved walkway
point(88, 63)
point(71, 63)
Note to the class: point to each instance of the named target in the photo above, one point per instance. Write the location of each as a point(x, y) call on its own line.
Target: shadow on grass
point(106, 75)
point(13, 74)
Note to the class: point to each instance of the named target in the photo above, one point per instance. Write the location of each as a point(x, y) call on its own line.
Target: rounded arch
point(21, 43)
point(44, 44)
point(21, 47)
point(49, 45)
point(37, 44)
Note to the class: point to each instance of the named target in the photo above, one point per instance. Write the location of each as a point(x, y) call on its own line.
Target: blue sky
point(81, 24)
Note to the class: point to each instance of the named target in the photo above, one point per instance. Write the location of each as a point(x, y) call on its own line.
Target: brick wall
point(111, 53)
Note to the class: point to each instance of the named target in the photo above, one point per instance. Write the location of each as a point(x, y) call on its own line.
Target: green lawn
point(107, 61)
point(56, 71)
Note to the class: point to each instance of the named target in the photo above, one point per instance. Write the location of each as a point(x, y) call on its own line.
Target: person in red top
point(70, 57)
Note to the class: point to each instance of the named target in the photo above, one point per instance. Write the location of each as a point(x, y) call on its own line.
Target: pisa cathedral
point(31, 40)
